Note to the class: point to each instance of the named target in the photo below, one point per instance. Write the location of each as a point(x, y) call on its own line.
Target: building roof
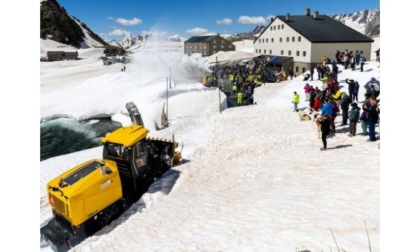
point(323, 29)
point(201, 38)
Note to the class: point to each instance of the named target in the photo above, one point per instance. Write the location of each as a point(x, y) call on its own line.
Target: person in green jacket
point(234, 89)
point(295, 101)
point(240, 95)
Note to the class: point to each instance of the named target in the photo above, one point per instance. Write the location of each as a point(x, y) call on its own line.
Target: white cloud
point(251, 20)
point(127, 22)
point(268, 18)
point(197, 31)
point(225, 21)
point(119, 32)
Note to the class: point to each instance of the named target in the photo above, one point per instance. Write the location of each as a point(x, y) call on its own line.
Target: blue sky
point(114, 19)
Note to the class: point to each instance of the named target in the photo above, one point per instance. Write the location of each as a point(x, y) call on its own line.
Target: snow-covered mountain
point(58, 25)
point(252, 33)
point(365, 21)
point(114, 43)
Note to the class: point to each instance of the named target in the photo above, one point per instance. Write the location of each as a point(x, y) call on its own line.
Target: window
point(282, 26)
point(297, 70)
point(274, 28)
point(270, 52)
point(303, 69)
point(271, 28)
point(287, 39)
point(290, 53)
point(278, 27)
point(259, 51)
point(259, 40)
point(272, 40)
point(266, 40)
point(293, 39)
point(264, 51)
point(281, 40)
point(297, 53)
point(222, 46)
point(230, 46)
point(299, 39)
point(281, 52)
point(304, 53)
point(140, 154)
point(256, 50)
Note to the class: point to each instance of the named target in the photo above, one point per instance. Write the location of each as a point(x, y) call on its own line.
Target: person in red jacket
point(317, 103)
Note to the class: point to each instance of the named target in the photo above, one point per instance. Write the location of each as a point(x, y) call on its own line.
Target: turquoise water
point(63, 135)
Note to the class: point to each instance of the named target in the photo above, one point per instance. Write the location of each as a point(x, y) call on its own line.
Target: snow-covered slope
point(254, 178)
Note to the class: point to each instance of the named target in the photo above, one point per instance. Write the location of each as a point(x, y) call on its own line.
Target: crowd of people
point(244, 78)
point(330, 102)
point(348, 58)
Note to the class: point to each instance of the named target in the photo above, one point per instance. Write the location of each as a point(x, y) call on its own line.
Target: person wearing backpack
point(353, 118)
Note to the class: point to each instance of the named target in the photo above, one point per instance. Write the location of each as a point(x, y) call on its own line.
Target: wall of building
point(220, 44)
point(196, 47)
point(302, 67)
point(320, 50)
point(208, 48)
point(303, 51)
point(280, 31)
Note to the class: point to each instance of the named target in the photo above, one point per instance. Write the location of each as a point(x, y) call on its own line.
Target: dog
point(318, 121)
point(304, 116)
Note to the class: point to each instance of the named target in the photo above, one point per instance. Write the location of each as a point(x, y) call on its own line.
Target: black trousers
point(324, 139)
point(345, 115)
point(353, 128)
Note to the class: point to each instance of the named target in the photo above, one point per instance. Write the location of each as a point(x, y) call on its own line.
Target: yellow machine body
point(85, 190)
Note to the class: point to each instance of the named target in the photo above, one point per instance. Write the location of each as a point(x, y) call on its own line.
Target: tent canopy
point(274, 59)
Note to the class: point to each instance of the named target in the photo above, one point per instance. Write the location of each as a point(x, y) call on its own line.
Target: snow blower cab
point(89, 196)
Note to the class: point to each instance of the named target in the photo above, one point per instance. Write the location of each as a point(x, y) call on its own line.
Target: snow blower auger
point(89, 196)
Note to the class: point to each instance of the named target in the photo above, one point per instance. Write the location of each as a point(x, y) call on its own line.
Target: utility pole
point(217, 84)
point(170, 78)
point(167, 96)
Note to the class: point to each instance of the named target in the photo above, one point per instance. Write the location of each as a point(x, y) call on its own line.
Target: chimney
point(316, 15)
point(308, 12)
point(287, 17)
point(272, 19)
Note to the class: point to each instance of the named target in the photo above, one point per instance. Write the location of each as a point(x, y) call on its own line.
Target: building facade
point(307, 38)
point(207, 45)
point(61, 55)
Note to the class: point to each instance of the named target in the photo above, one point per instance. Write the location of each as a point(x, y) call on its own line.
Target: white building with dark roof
point(307, 38)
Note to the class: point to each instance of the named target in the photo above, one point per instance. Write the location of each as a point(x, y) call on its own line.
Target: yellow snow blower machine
point(89, 196)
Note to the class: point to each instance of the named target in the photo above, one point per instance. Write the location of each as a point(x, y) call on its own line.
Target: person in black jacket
point(312, 95)
point(345, 103)
point(325, 130)
point(351, 84)
point(372, 118)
